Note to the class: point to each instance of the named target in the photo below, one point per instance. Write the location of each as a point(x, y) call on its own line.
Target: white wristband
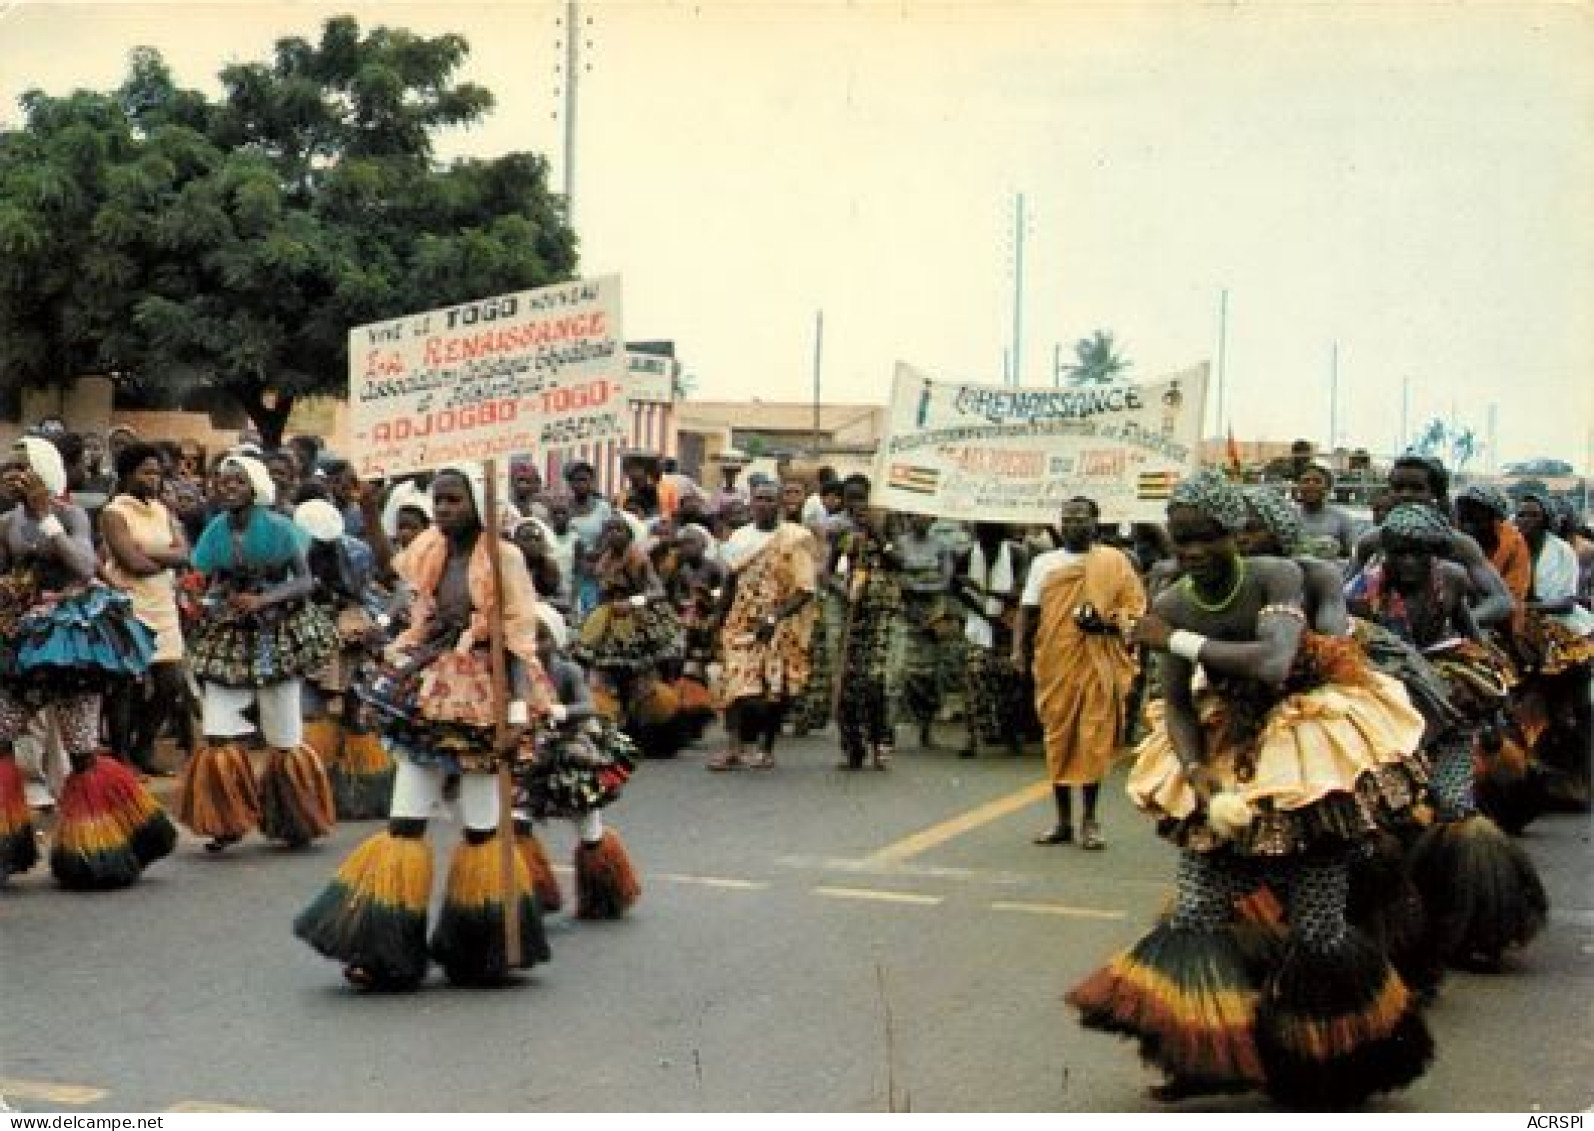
point(519, 713)
point(50, 526)
point(558, 712)
point(1186, 644)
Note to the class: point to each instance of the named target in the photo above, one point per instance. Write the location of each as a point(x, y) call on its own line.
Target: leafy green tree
point(178, 241)
point(1096, 360)
point(63, 271)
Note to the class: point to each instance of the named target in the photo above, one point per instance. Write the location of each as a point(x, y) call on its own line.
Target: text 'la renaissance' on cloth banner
point(533, 371)
point(996, 453)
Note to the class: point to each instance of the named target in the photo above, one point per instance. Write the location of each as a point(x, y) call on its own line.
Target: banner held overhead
point(532, 371)
point(994, 453)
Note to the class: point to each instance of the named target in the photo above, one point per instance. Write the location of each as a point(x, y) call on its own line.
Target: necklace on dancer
point(1228, 598)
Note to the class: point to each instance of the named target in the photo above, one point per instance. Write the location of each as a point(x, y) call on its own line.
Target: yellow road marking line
point(879, 896)
point(208, 1105)
point(715, 882)
point(926, 839)
point(1057, 909)
point(50, 1093)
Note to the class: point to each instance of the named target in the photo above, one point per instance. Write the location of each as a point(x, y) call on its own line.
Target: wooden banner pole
point(500, 671)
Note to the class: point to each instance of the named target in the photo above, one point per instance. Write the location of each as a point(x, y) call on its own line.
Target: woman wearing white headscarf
point(343, 571)
point(65, 639)
point(260, 638)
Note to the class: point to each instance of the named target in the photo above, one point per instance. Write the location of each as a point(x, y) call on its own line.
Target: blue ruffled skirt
point(77, 641)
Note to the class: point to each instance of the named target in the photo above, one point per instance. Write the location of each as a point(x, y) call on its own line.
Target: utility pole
point(573, 35)
point(1018, 289)
point(1223, 349)
point(1057, 365)
point(1333, 399)
point(1405, 412)
point(819, 346)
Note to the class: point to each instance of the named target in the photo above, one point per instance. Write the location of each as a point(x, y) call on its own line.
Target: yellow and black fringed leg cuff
point(468, 941)
point(372, 916)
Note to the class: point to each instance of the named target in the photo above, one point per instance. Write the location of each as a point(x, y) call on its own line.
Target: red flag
point(1235, 469)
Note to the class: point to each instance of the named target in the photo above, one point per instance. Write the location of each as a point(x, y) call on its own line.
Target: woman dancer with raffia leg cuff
point(434, 697)
point(582, 762)
point(1285, 760)
point(1482, 891)
point(261, 638)
point(64, 639)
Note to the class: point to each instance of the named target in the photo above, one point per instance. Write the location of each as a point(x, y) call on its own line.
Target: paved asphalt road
point(808, 940)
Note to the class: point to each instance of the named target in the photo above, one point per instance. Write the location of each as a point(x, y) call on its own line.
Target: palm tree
point(1098, 360)
point(1431, 439)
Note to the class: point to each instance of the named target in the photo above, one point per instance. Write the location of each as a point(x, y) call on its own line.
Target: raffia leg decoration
point(1482, 893)
point(217, 796)
point(1188, 996)
point(1508, 785)
point(372, 916)
point(18, 849)
point(535, 857)
point(296, 803)
point(1385, 905)
point(324, 734)
point(110, 828)
point(362, 779)
point(1337, 1025)
point(606, 884)
point(468, 941)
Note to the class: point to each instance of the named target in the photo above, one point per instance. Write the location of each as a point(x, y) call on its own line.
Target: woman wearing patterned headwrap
point(1422, 481)
point(343, 570)
point(1483, 894)
point(1482, 511)
point(260, 638)
point(64, 640)
point(1382, 899)
point(1510, 783)
point(434, 696)
point(1293, 753)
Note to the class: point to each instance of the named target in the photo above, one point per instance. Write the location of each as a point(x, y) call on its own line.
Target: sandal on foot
point(1057, 834)
point(221, 843)
point(761, 762)
point(881, 759)
point(1176, 1090)
point(358, 977)
point(725, 762)
point(1090, 837)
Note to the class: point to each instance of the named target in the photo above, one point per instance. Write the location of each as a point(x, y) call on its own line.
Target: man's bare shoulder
point(1278, 572)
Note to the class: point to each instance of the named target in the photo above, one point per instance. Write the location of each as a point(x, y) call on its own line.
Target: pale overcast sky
point(1412, 182)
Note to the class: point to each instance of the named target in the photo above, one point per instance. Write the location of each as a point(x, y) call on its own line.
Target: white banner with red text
point(529, 372)
point(996, 453)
